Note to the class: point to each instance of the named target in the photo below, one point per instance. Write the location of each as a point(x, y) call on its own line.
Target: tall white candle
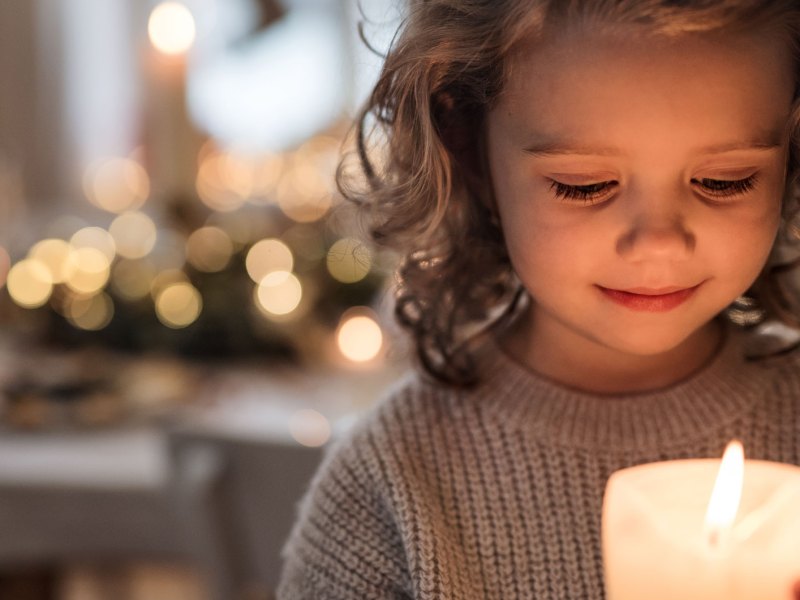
point(662, 541)
point(172, 142)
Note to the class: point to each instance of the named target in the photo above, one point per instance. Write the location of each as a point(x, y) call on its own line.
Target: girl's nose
point(656, 236)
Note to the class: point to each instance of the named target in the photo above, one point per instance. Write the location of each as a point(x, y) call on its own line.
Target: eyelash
point(589, 193)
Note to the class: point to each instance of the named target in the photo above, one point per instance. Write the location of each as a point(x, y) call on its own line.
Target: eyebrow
point(550, 148)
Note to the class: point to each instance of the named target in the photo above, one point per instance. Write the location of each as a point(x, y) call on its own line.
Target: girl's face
point(639, 183)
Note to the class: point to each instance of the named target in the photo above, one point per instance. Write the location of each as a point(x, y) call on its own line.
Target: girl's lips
point(650, 300)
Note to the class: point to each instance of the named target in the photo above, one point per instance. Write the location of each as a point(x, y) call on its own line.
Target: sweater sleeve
point(345, 543)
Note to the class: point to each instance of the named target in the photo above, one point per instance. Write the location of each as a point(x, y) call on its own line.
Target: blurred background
point(188, 315)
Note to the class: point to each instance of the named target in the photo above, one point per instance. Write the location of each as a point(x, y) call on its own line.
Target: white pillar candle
point(663, 540)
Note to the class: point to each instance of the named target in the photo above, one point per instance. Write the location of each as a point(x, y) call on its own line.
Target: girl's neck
point(582, 364)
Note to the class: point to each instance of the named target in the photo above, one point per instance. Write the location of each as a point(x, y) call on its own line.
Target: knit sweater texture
point(496, 492)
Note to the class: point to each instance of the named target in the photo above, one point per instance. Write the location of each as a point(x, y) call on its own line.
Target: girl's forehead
point(579, 55)
point(693, 89)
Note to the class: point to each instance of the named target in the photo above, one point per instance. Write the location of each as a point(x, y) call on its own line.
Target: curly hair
point(422, 181)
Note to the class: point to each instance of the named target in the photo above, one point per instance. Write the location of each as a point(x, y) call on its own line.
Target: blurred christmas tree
point(251, 265)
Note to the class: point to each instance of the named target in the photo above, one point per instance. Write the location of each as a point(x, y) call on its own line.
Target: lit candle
point(664, 538)
point(172, 142)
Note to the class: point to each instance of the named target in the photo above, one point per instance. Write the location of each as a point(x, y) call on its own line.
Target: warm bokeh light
point(171, 28)
point(305, 191)
point(303, 194)
point(132, 279)
point(116, 184)
point(5, 265)
point(134, 234)
point(30, 283)
point(166, 278)
point(310, 428)
point(279, 293)
point(91, 313)
point(217, 184)
point(238, 173)
point(349, 260)
point(266, 175)
point(89, 271)
point(267, 256)
point(54, 254)
point(97, 238)
point(209, 249)
point(359, 337)
point(178, 305)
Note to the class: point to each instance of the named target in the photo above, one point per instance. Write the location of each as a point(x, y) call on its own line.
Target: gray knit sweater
point(496, 493)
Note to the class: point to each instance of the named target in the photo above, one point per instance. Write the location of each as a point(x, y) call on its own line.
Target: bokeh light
point(134, 234)
point(91, 313)
point(166, 278)
point(222, 182)
point(132, 279)
point(267, 256)
point(209, 249)
point(279, 293)
point(89, 270)
point(97, 238)
point(266, 175)
point(310, 428)
point(171, 28)
point(30, 283)
point(303, 194)
point(349, 260)
point(178, 305)
point(54, 254)
point(359, 336)
point(116, 184)
point(305, 191)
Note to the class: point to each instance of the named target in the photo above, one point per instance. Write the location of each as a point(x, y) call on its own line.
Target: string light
point(349, 260)
point(91, 313)
point(134, 234)
point(279, 293)
point(310, 428)
point(55, 254)
point(209, 249)
point(178, 305)
point(267, 256)
point(89, 271)
point(132, 279)
point(214, 184)
point(30, 283)
point(359, 336)
point(116, 184)
point(97, 238)
point(165, 279)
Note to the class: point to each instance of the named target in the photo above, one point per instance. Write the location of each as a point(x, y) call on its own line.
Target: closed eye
point(724, 188)
point(588, 193)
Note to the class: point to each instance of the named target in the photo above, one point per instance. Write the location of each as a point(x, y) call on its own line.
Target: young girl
point(585, 191)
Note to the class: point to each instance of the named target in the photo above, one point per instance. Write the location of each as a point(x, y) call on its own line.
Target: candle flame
point(727, 493)
point(171, 28)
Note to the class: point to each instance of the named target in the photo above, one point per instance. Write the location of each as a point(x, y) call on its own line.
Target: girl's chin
point(653, 341)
